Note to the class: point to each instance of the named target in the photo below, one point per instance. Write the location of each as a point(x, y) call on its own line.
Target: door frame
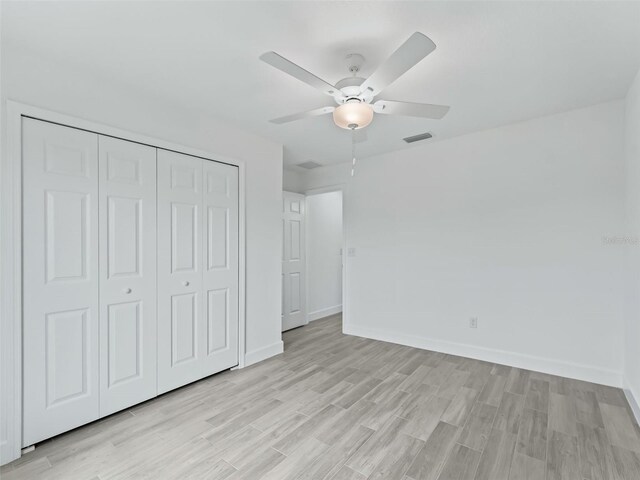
point(340, 187)
point(11, 250)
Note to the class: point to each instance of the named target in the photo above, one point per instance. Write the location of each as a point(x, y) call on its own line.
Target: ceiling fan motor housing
point(350, 88)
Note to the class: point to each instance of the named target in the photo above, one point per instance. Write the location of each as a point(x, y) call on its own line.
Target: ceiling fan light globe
point(353, 113)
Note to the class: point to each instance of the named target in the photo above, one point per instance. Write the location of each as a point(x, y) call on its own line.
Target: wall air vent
point(417, 138)
point(309, 165)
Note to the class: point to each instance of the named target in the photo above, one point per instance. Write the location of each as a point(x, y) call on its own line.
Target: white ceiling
point(495, 62)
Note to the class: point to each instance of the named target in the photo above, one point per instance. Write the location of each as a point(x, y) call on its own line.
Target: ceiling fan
point(354, 95)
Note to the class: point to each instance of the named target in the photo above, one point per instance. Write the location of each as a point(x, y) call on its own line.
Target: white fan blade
point(408, 109)
point(298, 116)
point(287, 66)
point(410, 53)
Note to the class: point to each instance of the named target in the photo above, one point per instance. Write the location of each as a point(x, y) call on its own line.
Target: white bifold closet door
point(127, 192)
point(130, 274)
point(197, 268)
point(89, 206)
point(60, 276)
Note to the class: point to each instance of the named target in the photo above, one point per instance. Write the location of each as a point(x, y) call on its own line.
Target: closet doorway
point(98, 337)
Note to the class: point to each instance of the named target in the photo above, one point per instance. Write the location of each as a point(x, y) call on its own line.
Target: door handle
point(127, 290)
point(185, 283)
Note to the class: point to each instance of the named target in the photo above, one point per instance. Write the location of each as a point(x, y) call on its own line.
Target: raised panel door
point(180, 264)
point(293, 261)
point(60, 275)
point(128, 304)
point(220, 272)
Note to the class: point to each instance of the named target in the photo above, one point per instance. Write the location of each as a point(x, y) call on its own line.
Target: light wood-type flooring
point(347, 408)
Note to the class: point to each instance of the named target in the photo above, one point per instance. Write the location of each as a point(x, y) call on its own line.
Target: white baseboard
point(586, 373)
point(263, 353)
point(325, 312)
point(632, 399)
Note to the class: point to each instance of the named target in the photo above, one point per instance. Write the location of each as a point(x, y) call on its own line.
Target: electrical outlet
point(473, 322)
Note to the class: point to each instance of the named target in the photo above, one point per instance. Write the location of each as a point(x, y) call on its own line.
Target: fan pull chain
point(353, 151)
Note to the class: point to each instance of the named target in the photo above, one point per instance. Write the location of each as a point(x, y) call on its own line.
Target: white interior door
point(293, 262)
point(60, 275)
point(220, 272)
point(127, 189)
point(197, 268)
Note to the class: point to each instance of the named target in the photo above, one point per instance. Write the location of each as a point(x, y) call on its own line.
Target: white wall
point(70, 90)
point(330, 175)
point(324, 259)
point(292, 181)
point(632, 325)
point(506, 225)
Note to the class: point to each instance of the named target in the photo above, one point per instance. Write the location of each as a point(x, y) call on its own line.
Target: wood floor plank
point(538, 395)
point(382, 412)
point(479, 374)
point(356, 393)
point(345, 473)
point(343, 422)
point(293, 465)
point(461, 465)
point(417, 378)
point(29, 470)
point(596, 455)
point(517, 381)
point(563, 462)
point(450, 388)
point(397, 459)
point(502, 370)
point(527, 468)
point(238, 453)
point(509, 413)
point(478, 427)
point(587, 407)
point(367, 458)
point(430, 460)
point(291, 441)
point(460, 406)
point(386, 388)
point(532, 436)
point(336, 391)
point(334, 379)
point(329, 464)
point(410, 365)
point(497, 456)
point(266, 461)
point(620, 428)
point(627, 463)
point(562, 414)
point(610, 395)
point(492, 391)
point(439, 374)
point(423, 415)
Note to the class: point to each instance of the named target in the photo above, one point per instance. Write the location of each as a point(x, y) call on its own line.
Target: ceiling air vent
point(417, 138)
point(309, 165)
